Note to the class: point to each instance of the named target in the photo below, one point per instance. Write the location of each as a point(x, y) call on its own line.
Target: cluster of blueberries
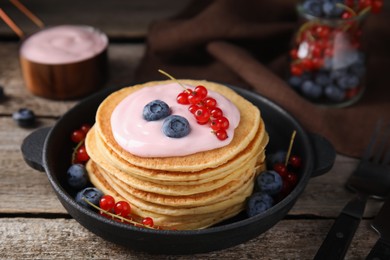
point(268, 184)
point(323, 8)
point(173, 126)
point(77, 179)
point(328, 82)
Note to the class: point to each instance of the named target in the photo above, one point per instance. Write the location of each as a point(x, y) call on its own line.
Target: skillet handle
point(324, 154)
point(32, 148)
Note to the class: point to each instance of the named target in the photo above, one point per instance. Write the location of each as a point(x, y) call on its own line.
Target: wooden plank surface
point(35, 238)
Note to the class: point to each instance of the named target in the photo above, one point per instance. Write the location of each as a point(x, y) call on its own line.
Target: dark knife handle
point(340, 235)
point(380, 251)
point(339, 238)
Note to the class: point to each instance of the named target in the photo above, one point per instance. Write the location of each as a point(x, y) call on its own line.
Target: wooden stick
point(11, 24)
point(38, 22)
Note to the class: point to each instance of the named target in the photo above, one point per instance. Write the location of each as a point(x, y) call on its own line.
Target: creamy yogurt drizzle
point(64, 44)
point(146, 139)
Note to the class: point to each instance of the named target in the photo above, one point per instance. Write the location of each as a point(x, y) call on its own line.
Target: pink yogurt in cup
point(66, 61)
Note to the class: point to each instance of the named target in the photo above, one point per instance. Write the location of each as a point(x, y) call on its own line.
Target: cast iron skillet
point(49, 150)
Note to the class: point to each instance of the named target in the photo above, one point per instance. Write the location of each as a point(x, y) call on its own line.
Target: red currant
point(316, 51)
point(201, 91)
point(202, 115)
point(294, 54)
point(364, 4)
point(148, 222)
point(223, 122)
point(182, 98)
point(280, 168)
point(219, 123)
point(307, 64)
point(216, 112)
point(194, 98)
point(193, 108)
point(296, 70)
point(78, 136)
point(221, 134)
point(291, 178)
point(85, 128)
point(122, 208)
point(376, 6)
point(317, 63)
point(350, 3)
point(346, 15)
point(210, 102)
point(81, 154)
point(323, 31)
point(107, 203)
point(295, 161)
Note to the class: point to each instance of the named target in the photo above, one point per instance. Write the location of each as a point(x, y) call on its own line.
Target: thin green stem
point(172, 78)
point(116, 216)
point(290, 147)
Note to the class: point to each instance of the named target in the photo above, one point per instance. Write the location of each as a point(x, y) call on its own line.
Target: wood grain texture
point(65, 239)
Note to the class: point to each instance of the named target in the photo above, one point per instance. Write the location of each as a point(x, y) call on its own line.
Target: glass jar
point(327, 63)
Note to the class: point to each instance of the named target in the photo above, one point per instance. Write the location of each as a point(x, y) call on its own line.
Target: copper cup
point(74, 77)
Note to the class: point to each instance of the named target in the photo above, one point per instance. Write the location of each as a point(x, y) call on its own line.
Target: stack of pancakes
point(184, 192)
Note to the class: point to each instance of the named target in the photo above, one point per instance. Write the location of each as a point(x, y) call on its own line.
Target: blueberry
point(348, 82)
point(322, 78)
point(269, 182)
point(328, 63)
point(311, 90)
point(277, 157)
point(176, 126)
point(336, 74)
point(156, 110)
point(357, 69)
point(331, 10)
point(334, 93)
point(92, 194)
point(313, 8)
point(257, 203)
point(295, 81)
point(77, 176)
point(24, 117)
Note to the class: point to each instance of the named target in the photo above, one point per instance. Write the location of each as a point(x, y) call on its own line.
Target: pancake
point(104, 155)
point(182, 192)
point(243, 134)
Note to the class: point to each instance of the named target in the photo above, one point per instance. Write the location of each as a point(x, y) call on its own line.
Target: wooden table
point(34, 225)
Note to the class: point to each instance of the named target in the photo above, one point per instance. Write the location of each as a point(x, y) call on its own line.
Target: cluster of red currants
point(288, 174)
point(121, 211)
point(320, 37)
point(205, 110)
point(80, 154)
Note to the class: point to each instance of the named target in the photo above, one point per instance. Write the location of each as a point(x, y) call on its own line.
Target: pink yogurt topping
point(64, 44)
point(146, 139)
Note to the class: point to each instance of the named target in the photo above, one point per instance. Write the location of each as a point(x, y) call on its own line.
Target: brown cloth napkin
point(245, 43)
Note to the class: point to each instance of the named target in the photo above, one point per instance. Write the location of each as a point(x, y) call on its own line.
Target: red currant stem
point(364, 11)
point(75, 150)
point(172, 78)
point(116, 216)
point(290, 147)
point(346, 8)
point(303, 28)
